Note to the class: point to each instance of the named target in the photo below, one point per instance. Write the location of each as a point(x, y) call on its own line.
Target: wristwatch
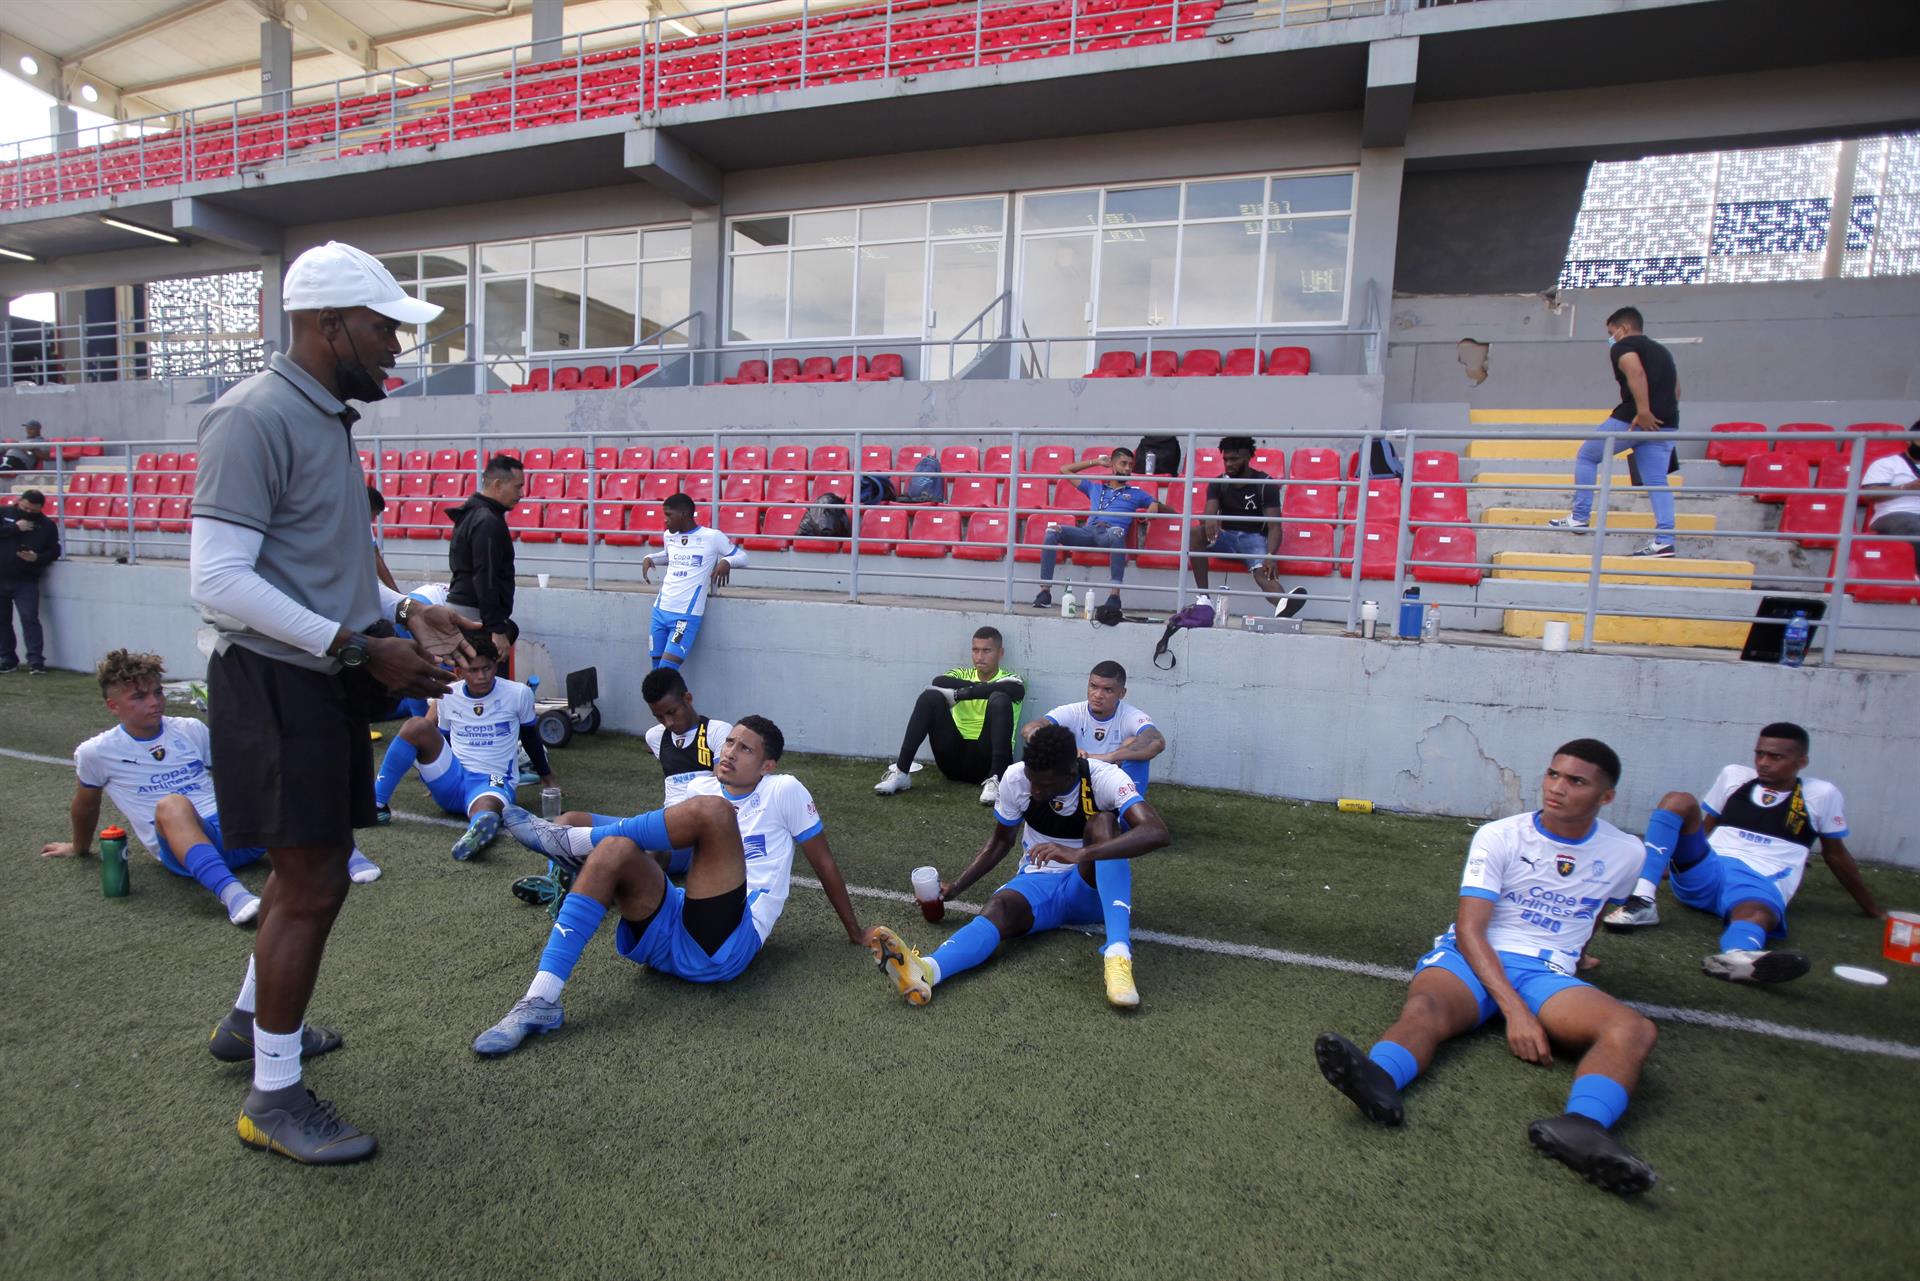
point(404, 610)
point(351, 652)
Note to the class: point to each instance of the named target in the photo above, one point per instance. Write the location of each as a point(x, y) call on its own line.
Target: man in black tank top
point(1069, 808)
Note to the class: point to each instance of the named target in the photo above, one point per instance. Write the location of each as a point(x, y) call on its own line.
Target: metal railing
point(632, 69)
point(120, 350)
point(592, 508)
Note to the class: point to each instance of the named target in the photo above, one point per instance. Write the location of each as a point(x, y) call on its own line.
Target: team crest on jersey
point(158, 753)
point(1064, 804)
point(1564, 865)
point(1099, 736)
point(479, 709)
point(683, 540)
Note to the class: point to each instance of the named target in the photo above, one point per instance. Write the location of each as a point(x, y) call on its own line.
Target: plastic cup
point(550, 803)
point(544, 578)
point(926, 891)
point(1554, 636)
point(1369, 618)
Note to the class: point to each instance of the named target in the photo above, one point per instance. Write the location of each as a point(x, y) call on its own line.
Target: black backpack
point(826, 519)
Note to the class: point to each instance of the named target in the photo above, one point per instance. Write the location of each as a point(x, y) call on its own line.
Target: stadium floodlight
point(17, 255)
point(29, 66)
point(89, 93)
point(144, 231)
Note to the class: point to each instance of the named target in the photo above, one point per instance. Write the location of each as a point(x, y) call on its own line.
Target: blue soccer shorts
point(1536, 981)
point(1057, 898)
point(210, 824)
point(1719, 884)
point(671, 636)
point(666, 946)
point(455, 788)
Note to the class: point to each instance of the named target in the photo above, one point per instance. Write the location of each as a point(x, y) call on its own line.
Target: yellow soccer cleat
point(1120, 989)
point(901, 964)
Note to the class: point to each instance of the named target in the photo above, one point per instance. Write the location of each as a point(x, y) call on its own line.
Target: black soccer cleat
point(1583, 1145)
point(1359, 1078)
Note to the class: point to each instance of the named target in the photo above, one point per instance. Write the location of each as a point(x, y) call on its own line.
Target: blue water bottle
point(1409, 623)
point(1793, 643)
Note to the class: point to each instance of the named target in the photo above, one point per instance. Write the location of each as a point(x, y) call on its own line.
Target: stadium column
point(63, 125)
point(1392, 67)
point(276, 68)
point(708, 272)
point(548, 27)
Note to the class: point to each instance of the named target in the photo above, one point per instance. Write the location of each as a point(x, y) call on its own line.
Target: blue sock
point(648, 831)
point(393, 767)
point(579, 917)
point(208, 868)
point(1742, 936)
point(1600, 1098)
point(1400, 1065)
point(1693, 848)
point(1113, 879)
point(1662, 839)
point(970, 945)
point(603, 820)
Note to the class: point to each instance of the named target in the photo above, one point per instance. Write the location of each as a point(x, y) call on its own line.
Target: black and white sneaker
point(1636, 913)
point(1655, 550)
point(1292, 603)
point(1359, 1078)
point(1740, 966)
point(8, 669)
point(1583, 1145)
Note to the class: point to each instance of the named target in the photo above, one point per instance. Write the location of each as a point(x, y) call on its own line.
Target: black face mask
point(353, 377)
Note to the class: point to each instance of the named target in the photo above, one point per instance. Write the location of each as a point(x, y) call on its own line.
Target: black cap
point(35, 422)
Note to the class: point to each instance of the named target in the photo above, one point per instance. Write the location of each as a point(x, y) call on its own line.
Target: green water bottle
point(113, 862)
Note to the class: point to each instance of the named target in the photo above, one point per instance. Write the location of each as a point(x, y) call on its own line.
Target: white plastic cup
point(1554, 636)
point(1369, 618)
point(926, 890)
point(544, 578)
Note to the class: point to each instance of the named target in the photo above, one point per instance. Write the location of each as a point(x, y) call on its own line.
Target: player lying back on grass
point(1533, 887)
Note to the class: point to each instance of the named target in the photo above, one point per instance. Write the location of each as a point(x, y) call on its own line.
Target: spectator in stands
point(970, 714)
point(481, 557)
point(1649, 403)
point(1115, 504)
point(29, 542)
point(1244, 495)
point(377, 503)
point(1892, 485)
point(28, 454)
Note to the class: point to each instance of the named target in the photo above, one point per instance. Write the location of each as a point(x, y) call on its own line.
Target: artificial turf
point(803, 1122)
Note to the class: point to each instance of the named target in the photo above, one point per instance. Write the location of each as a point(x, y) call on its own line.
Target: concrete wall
point(1447, 729)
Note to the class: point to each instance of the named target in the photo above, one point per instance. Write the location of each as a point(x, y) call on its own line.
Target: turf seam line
point(1847, 1042)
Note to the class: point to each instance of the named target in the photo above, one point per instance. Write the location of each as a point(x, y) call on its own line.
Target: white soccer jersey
point(1772, 853)
point(1098, 737)
point(429, 593)
point(775, 817)
point(1547, 892)
point(690, 560)
point(1113, 793)
point(717, 732)
point(137, 773)
point(485, 732)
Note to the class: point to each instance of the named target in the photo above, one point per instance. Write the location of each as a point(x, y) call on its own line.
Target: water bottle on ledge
point(1430, 628)
point(1793, 642)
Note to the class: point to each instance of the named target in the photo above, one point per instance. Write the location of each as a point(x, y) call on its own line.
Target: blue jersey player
point(1533, 888)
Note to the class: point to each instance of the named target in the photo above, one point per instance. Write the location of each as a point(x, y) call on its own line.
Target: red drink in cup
point(926, 891)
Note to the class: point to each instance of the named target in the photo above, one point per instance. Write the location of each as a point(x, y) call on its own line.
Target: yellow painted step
point(1675, 571)
point(1684, 522)
point(1563, 480)
point(1537, 417)
point(1527, 449)
point(1626, 630)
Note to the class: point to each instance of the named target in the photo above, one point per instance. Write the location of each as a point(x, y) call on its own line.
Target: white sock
point(580, 841)
point(933, 970)
point(546, 986)
point(234, 893)
point(244, 1001)
point(361, 869)
point(276, 1058)
point(1643, 888)
point(1117, 949)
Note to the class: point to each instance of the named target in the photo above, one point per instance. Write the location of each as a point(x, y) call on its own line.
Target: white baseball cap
point(338, 275)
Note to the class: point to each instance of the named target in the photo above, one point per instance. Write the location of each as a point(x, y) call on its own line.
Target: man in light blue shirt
point(1115, 503)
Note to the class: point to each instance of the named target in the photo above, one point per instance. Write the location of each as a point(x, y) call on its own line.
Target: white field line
point(1846, 1042)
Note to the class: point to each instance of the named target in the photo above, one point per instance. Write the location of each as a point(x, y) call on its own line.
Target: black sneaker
point(232, 1039)
point(297, 1123)
point(38, 669)
point(382, 814)
point(536, 891)
point(1292, 603)
point(1043, 601)
point(1359, 1078)
point(7, 669)
point(1583, 1145)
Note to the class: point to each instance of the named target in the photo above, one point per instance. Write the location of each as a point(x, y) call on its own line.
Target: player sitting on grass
point(158, 770)
point(467, 748)
point(686, 745)
point(1066, 809)
point(1534, 886)
point(742, 822)
point(1740, 853)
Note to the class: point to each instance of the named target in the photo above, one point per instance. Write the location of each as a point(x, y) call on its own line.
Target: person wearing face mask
point(305, 653)
point(1892, 485)
point(1649, 404)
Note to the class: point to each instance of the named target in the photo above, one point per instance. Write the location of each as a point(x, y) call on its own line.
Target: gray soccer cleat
point(296, 1123)
point(232, 1039)
point(1636, 913)
point(543, 836)
point(529, 1015)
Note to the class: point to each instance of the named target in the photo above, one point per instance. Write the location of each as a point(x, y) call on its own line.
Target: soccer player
point(1533, 887)
point(969, 714)
point(1232, 526)
point(1740, 853)
point(695, 557)
point(1067, 811)
point(158, 770)
point(742, 822)
point(467, 748)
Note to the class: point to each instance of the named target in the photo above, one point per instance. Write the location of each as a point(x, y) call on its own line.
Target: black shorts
point(710, 922)
point(293, 763)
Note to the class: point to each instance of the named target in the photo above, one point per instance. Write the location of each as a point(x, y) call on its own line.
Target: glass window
point(506, 316)
point(822, 293)
point(894, 222)
point(611, 300)
point(1306, 269)
point(758, 233)
point(831, 228)
point(1060, 209)
point(441, 263)
point(1322, 193)
point(675, 242)
point(969, 217)
point(1234, 198)
point(1220, 273)
point(1143, 204)
point(1136, 276)
point(451, 343)
point(556, 253)
point(618, 248)
point(893, 285)
point(556, 311)
point(758, 308)
point(405, 267)
point(513, 256)
point(665, 298)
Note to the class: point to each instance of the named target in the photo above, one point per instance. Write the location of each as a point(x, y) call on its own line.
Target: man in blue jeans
point(1650, 403)
point(1114, 505)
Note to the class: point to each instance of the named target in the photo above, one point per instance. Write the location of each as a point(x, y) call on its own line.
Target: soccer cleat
point(1567, 522)
point(485, 826)
point(296, 1123)
point(544, 836)
point(382, 814)
point(1292, 603)
point(232, 1039)
point(1635, 913)
point(894, 780)
point(536, 891)
point(1739, 966)
point(1121, 992)
point(990, 792)
point(1043, 601)
point(244, 909)
point(900, 963)
point(362, 870)
point(530, 1014)
point(1653, 550)
point(1583, 1145)
point(1359, 1078)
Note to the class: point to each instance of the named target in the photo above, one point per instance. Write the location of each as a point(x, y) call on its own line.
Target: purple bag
point(1194, 615)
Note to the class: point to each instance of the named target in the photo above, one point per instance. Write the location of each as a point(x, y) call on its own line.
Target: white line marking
point(1846, 1042)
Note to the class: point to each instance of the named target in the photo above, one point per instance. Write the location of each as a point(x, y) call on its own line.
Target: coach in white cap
point(283, 571)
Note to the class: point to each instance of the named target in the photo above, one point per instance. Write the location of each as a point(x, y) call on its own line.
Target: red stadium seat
point(174, 482)
point(446, 460)
point(536, 459)
point(789, 458)
point(420, 518)
point(1311, 502)
point(1437, 504)
point(1813, 519)
point(1163, 364)
point(1306, 549)
point(840, 483)
point(976, 492)
point(623, 531)
point(1379, 544)
point(1161, 546)
point(750, 371)
point(637, 459)
point(698, 488)
point(959, 459)
point(565, 521)
point(418, 460)
point(1049, 459)
point(176, 515)
point(1116, 364)
point(1242, 362)
point(885, 367)
point(648, 521)
point(524, 517)
point(567, 378)
point(1033, 529)
point(670, 458)
point(829, 458)
point(609, 520)
point(876, 460)
point(1436, 466)
point(1811, 450)
point(1456, 547)
point(743, 489)
point(998, 459)
point(739, 522)
point(1311, 463)
point(816, 369)
point(704, 458)
point(1290, 360)
point(1771, 471)
point(880, 529)
point(596, 378)
point(1882, 559)
point(146, 513)
point(571, 458)
point(777, 529)
point(1201, 362)
point(786, 369)
point(749, 458)
point(452, 486)
point(1383, 501)
point(986, 538)
point(1728, 449)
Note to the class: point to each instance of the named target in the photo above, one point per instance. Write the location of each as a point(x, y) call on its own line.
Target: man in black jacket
point(481, 557)
point(29, 542)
